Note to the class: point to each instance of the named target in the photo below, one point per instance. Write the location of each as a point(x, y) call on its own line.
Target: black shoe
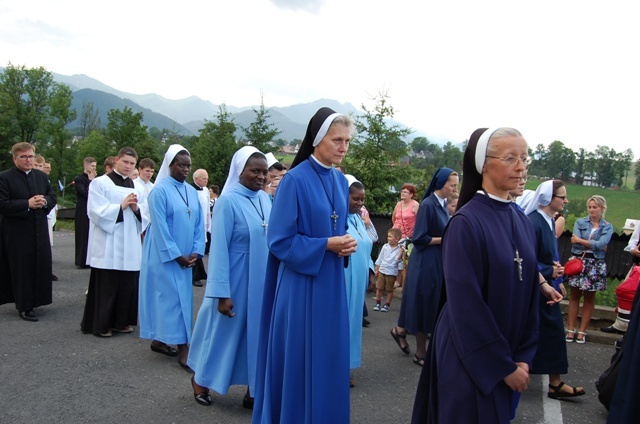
point(611, 330)
point(365, 322)
point(54, 277)
point(247, 402)
point(197, 283)
point(203, 398)
point(164, 349)
point(28, 316)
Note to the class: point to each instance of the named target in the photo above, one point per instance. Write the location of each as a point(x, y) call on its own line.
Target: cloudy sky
point(557, 70)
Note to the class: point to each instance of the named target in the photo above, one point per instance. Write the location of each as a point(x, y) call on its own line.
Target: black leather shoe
point(54, 277)
point(247, 402)
point(28, 316)
point(202, 398)
point(365, 322)
point(197, 283)
point(611, 330)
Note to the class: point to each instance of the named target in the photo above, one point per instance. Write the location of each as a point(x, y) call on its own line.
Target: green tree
point(95, 145)
point(215, 146)
point(124, 128)
point(89, 119)
point(560, 161)
point(26, 101)
point(261, 132)
point(375, 155)
point(538, 168)
point(623, 165)
point(580, 166)
point(59, 139)
point(149, 148)
point(636, 172)
point(419, 144)
point(605, 172)
point(451, 157)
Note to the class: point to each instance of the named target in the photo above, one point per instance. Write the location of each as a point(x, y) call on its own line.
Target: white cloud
point(555, 70)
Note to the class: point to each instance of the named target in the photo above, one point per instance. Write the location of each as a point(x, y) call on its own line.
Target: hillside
point(103, 102)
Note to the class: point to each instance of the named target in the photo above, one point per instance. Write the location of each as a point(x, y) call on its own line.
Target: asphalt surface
point(50, 372)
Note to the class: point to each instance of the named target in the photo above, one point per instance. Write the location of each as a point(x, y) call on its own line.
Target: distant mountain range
point(187, 116)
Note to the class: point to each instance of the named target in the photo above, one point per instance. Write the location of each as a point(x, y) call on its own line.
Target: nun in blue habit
point(303, 362)
point(174, 239)
point(224, 342)
point(357, 273)
point(551, 354)
point(423, 283)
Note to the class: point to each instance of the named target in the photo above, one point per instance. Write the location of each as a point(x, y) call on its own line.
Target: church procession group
point(290, 263)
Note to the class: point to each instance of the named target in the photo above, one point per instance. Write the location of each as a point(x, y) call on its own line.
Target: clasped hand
point(519, 379)
point(37, 202)
point(130, 201)
point(187, 262)
point(558, 269)
point(342, 245)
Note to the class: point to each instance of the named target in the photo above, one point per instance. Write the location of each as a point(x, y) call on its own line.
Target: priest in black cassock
point(115, 250)
point(81, 184)
point(200, 180)
point(26, 198)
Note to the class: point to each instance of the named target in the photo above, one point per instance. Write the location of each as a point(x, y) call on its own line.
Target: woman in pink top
point(404, 218)
point(404, 214)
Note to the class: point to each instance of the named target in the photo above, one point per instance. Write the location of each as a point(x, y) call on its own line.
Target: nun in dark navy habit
point(487, 330)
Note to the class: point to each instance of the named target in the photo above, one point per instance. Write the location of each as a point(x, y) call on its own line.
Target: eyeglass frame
point(25, 157)
point(560, 197)
point(526, 161)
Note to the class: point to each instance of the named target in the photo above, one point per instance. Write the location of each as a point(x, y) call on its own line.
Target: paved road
point(51, 372)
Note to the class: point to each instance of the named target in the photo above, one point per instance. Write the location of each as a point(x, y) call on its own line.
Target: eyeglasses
point(561, 197)
point(25, 157)
point(513, 160)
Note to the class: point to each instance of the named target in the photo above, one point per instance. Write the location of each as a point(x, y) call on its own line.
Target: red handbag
point(573, 266)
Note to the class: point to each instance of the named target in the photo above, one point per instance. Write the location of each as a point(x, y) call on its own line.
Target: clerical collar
point(494, 197)
point(439, 199)
point(320, 163)
point(121, 176)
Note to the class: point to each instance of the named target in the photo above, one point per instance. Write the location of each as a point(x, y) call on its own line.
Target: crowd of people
point(284, 245)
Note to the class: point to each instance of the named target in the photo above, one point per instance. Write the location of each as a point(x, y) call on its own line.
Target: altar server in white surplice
point(114, 251)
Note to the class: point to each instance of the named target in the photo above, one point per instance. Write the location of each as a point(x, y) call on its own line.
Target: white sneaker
point(385, 308)
point(377, 307)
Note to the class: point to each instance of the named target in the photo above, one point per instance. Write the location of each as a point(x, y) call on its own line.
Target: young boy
point(387, 266)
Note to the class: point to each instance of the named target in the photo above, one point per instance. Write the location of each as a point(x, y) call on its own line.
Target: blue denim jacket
point(600, 239)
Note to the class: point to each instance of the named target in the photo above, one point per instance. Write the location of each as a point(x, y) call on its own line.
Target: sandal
point(417, 360)
point(202, 398)
point(397, 336)
point(583, 339)
point(556, 392)
point(571, 336)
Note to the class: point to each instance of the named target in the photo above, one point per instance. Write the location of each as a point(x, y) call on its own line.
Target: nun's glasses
point(513, 160)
